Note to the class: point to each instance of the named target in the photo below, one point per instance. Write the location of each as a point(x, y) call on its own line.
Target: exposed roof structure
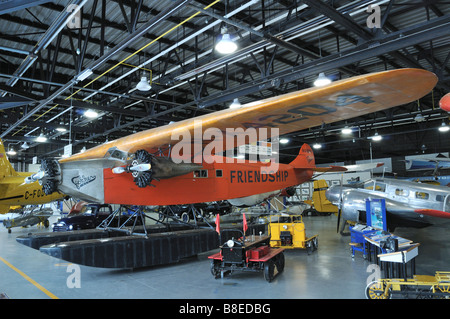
point(60, 58)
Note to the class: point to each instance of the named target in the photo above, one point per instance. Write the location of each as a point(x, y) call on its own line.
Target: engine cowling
point(158, 167)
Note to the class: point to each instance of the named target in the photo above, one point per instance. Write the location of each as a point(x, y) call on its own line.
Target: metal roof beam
point(15, 5)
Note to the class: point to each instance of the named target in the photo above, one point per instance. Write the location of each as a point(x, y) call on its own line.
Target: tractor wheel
point(269, 268)
point(376, 290)
point(215, 268)
point(279, 262)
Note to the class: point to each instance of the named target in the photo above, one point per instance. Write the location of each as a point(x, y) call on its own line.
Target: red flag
point(218, 224)
point(244, 223)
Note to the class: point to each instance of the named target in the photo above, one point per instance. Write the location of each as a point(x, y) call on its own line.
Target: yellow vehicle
point(13, 189)
point(320, 205)
point(420, 286)
point(288, 231)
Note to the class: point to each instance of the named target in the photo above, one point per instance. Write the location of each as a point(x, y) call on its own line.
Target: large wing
point(290, 112)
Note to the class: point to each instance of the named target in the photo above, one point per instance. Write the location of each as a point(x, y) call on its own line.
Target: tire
point(374, 291)
point(269, 268)
point(280, 262)
point(309, 247)
point(215, 268)
point(185, 217)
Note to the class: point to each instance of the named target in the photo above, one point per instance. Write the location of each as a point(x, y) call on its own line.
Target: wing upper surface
point(341, 100)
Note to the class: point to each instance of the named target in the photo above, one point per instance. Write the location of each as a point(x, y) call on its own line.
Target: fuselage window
point(422, 195)
point(381, 187)
point(368, 185)
point(440, 198)
point(219, 173)
point(201, 173)
point(401, 192)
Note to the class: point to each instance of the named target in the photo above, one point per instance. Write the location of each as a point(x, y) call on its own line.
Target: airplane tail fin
point(305, 158)
point(6, 168)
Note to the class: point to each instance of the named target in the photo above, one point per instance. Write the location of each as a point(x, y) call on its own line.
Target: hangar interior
point(61, 60)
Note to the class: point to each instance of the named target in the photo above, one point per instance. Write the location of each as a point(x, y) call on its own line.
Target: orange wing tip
point(445, 103)
point(433, 213)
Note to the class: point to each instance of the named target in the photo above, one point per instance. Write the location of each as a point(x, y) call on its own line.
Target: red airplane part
point(445, 103)
point(217, 181)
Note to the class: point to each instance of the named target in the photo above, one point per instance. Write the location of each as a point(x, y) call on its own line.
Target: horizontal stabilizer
point(362, 167)
point(330, 169)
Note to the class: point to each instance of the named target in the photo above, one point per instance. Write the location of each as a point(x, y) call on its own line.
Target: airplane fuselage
point(417, 202)
point(213, 182)
point(16, 192)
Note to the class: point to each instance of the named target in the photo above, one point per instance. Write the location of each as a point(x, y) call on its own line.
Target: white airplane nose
point(332, 194)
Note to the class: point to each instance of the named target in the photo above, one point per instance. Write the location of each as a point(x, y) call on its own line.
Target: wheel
point(46, 223)
point(376, 290)
point(215, 268)
point(185, 217)
point(279, 262)
point(269, 270)
point(309, 247)
point(309, 211)
point(315, 243)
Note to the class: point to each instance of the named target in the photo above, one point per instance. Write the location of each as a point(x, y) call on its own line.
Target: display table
point(392, 253)
point(358, 242)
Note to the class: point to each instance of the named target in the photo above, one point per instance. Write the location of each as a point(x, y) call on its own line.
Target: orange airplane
point(444, 103)
point(131, 170)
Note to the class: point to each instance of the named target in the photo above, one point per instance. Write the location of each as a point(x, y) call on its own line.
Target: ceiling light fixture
point(376, 137)
point(225, 45)
point(317, 146)
point(419, 118)
point(25, 146)
point(322, 80)
point(143, 85)
point(83, 75)
point(41, 138)
point(235, 104)
point(61, 129)
point(444, 127)
point(11, 152)
point(284, 140)
point(346, 130)
point(90, 114)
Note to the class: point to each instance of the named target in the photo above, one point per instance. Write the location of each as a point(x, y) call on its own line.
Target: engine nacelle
point(83, 179)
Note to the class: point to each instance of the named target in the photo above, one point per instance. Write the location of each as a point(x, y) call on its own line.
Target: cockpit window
point(401, 192)
point(440, 198)
point(381, 187)
point(369, 185)
point(422, 195)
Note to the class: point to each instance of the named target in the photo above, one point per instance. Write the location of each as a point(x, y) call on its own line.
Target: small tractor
point(252, 253)
point(289, 232)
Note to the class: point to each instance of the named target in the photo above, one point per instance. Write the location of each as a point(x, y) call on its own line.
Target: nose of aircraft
point(333, 193)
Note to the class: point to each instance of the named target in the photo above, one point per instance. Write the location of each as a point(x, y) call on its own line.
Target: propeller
point(35, 177)
point(340, 204)
point(137, 168)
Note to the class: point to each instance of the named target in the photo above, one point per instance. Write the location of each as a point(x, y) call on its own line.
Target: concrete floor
point(328, 273)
